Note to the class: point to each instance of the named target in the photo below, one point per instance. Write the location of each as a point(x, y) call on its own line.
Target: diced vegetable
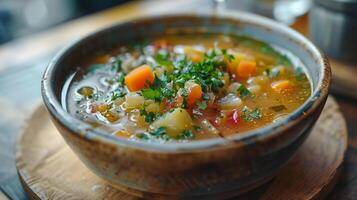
point(160, 43)
point(175, 122)
point(246, 69)
point(229, 102)
point(233, 87)
point(154, 107)
point(282, 86)
point(134, 100)
point(194, 92)
point(232, 64)
point(255, 89)
point(193, 54)
point(138, 78)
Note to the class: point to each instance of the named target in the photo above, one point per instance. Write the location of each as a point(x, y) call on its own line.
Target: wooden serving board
point(50, 170)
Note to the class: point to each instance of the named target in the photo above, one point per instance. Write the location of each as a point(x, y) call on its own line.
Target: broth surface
point(188, 87)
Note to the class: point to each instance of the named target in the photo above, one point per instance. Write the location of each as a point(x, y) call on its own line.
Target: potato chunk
point(134, 100)
point(175, 122)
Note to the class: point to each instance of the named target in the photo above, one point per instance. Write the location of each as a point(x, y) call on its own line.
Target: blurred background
point(23, 17)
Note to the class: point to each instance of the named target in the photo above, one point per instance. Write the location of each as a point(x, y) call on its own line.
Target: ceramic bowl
point(212, 168)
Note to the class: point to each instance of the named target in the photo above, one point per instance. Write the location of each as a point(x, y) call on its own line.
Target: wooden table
point(23, 61)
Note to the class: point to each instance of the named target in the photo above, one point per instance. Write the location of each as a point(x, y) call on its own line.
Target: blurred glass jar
point(333, 27)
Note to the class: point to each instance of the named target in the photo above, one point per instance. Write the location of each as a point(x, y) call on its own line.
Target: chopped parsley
point(148, 116)
point(186, 134)
point(117, 65)
point(249, 115)
point(116, 94)
point(201, 105)
point(152, 94)
point(227, 56)
point(160, 133)
point(243, 91)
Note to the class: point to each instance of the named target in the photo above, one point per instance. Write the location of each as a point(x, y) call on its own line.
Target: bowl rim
point(85, 131)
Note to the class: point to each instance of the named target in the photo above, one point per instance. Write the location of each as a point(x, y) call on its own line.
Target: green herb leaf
point(162, 57)
point(186, 134)
point(120, 78)
point(249, 115)
point(226, 55)
point(243, 91)
point(148, 116)
point(152, 94)
point(158, 132)
point(117, 65)
point(201, 105)
point(116, 94)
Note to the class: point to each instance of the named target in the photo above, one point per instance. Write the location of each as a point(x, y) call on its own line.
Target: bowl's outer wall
point(231, 170)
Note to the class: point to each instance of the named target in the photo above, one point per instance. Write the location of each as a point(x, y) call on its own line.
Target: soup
point(188, 87)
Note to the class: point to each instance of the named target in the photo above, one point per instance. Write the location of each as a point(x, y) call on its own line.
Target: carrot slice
point(194, 94)
point(196, 58)
point(136, 79)
point(246, 69)
point(281, 86)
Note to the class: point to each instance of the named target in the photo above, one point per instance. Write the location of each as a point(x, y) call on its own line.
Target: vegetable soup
point(188, 87)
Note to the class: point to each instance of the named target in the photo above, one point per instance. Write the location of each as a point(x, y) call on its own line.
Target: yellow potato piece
point(175, 122)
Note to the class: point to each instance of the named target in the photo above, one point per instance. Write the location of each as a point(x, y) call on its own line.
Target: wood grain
point(50, 170)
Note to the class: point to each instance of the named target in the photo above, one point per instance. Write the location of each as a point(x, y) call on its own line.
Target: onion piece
point(230, 102)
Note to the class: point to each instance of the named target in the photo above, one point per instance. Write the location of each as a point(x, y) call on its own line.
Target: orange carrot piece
point(246, 69)
point(231, 67)
point(160, 44)
point(282, 85)
point(194, 94)
point(179, 100)
point(196, 58)
point(136, 79)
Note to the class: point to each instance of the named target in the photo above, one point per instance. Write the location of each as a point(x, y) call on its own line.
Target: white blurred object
point(284, 11)
point(34, 15)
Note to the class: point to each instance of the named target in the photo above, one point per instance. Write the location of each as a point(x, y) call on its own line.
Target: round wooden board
point(50, 170)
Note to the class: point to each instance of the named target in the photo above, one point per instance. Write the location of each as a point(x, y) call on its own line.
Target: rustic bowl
point(212, 168)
